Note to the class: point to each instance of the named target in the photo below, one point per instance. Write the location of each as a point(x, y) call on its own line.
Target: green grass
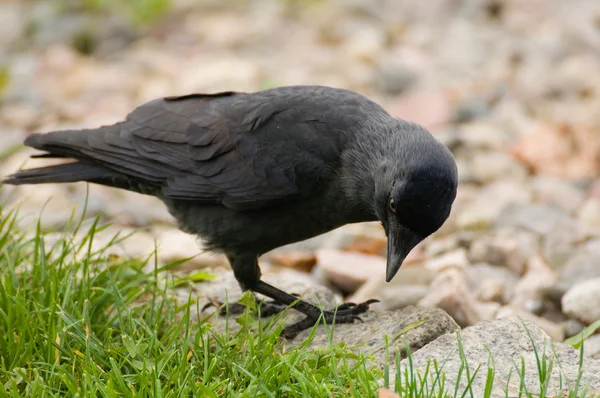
point(94, 325)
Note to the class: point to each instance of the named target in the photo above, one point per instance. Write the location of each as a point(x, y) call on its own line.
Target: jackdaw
point(249, 172)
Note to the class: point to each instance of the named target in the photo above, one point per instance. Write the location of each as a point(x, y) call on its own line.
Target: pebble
point(582, 301)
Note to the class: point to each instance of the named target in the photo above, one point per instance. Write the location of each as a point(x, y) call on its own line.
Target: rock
point(451, 292)
point(490, 202)
point(301, 261)
point(581, 267)
point(430, 109)
point(135, 209)
point(488, 166)
point(561, 150)
point(529, 290)
point(395, 79)
point(561, 243)
point(408, 287)
point(589, 212)
point(509, 343)
point(540, 219)
point(438, 246)
point(582, 301)
point(554, 330)
point(553, 191)
point(572, 327)
point(174, 245)
point(370, 333)
point(455, 258)
point(491, 283)
point(348, 271)
point(506, 248)
point(591, 346)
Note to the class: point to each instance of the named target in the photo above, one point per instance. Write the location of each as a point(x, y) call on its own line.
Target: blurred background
point(512, 87)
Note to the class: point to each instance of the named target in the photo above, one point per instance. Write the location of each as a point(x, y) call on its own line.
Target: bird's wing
point(242, 150)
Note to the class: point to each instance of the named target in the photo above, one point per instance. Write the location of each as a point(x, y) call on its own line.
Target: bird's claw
point(345, 313)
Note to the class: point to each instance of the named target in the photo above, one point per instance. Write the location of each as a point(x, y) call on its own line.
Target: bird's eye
point(392, 205)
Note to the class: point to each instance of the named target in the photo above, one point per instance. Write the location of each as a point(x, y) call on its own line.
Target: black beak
point(401, 241)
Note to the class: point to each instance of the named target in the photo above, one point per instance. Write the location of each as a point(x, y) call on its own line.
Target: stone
point(348, 271)
point(562, 242)
point(430, 109)
point(174, 245)
point(455, 258)
point(507, 248)
point(481, 213)
point(556, 331)
point(395, 79)
point(408, 287)
point(582, 301)
point(572, 327)
point(589, 212)
point(582, 267)
point(529, 290)
point(510, 343)
point(491, 283)
point(488, 166)
point(301, 261)
point(537, 218)
point(557, 192)
point(451, 292)
point(591, 346)
point(417, 326)
point(562, 150)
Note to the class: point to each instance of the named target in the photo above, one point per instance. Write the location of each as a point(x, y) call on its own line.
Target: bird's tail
point(59, 144)
point(70, 172)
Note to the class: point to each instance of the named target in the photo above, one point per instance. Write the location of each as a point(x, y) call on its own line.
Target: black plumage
point(249, 172)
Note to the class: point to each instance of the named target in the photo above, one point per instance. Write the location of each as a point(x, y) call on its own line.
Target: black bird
point(249, 172)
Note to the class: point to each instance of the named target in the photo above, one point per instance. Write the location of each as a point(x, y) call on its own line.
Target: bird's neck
point(358, 170)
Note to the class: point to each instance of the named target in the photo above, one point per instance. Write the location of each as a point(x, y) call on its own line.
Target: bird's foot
point(344, 313)
point(267, 308)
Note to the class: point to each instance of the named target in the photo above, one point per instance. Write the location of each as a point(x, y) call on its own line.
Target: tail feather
point(69, 172)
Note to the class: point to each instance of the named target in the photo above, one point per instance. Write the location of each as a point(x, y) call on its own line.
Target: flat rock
point(509, 343)
point(418, 326)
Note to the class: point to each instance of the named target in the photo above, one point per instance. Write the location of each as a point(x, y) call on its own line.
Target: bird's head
point(414, 193)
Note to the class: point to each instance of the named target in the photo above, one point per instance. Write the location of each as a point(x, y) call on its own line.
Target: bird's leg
point(247, 273)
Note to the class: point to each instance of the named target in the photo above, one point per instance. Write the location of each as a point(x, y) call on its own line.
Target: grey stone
point(491, 283)
point(540, 219)
point(572, 327)
point(509, 343)
point(582, 301)
point(408, 287)
point(506, 248)
point(561, 193)
point(420, 326)
point(582, 267)
point(490, 203)
point(562, 242)
point(395, 79)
